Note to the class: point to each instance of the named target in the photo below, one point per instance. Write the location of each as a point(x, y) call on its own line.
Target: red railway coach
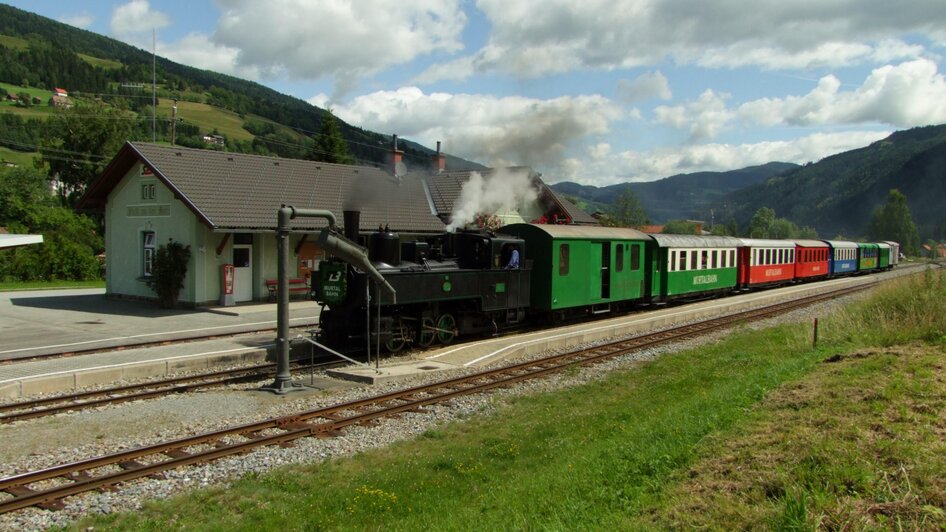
point(811, 259)
point(766, 262)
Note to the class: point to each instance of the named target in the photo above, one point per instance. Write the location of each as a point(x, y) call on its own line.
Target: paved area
point(43, 322)
point(35, 323)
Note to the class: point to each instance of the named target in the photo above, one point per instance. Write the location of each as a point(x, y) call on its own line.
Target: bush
point(169, 271)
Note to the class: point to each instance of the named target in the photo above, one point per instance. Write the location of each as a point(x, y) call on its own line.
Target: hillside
point(38, 52)
point(678, 197)
point(838, 194)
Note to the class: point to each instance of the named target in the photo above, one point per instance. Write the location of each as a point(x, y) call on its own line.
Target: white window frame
point(148, 250)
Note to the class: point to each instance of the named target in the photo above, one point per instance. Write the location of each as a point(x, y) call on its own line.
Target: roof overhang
point(13, 241)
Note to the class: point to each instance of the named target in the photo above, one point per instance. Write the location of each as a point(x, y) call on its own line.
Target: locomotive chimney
point(351, 220)
point(438, 161)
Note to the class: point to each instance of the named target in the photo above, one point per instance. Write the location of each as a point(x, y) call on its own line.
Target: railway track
point(48, 406)
point(47, 488)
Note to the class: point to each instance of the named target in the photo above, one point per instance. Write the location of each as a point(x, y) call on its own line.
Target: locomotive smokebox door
point(333, 282)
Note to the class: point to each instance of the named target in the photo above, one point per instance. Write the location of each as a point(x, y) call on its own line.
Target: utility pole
point(173, 120)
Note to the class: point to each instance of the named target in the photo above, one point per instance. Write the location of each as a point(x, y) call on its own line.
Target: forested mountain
point(679, 197)
point(838, 194)
point(39, 52)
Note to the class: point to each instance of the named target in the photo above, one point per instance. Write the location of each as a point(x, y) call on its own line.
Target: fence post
point(814, 343)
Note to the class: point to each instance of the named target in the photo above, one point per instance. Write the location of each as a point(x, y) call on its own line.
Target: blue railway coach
point(843, 257)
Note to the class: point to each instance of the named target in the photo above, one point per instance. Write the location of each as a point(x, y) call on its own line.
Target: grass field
point(107, 64)
point(18, 157)
point(756, 431)
point(207, 118)
point(15, 43)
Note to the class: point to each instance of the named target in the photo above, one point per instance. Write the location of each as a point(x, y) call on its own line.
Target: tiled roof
point(578, 216)
point(232, 191)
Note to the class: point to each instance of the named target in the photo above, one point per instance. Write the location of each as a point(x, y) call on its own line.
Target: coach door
point(603, 254)
point(243, 267)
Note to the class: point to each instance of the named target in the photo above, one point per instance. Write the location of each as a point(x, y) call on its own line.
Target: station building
point(224, 206)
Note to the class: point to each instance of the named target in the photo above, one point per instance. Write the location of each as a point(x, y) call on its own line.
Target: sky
point(595, 92)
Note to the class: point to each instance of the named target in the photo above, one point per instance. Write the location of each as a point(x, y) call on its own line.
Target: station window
point(619, 258)
point(147, 191)
point(563, 259)
point(635, 257)
point(147, 253)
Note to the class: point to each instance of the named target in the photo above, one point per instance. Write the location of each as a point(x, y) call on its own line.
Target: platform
point(513, 346)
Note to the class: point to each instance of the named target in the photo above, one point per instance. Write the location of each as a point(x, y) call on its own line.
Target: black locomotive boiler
point(448, 285)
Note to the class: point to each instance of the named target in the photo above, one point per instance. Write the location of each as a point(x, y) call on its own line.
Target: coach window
point(635, 257)
point(694, 259)
point(619, 258)
point(681, 260)
point(563, 259)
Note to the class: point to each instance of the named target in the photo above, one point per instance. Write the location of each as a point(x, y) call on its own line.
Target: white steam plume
point(502, 191)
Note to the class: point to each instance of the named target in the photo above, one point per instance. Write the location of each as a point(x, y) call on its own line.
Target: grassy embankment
point(759, 430)
point(49, 285)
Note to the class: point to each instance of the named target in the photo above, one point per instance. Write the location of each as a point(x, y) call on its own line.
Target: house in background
point(224, 205)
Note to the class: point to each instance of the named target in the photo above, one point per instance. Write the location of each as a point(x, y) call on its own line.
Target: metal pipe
point(283, 382)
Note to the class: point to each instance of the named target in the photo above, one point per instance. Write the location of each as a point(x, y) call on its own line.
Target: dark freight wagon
point(584, 268)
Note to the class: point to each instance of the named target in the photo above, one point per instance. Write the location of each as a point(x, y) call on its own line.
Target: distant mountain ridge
point(838, 194)
point(681, 196)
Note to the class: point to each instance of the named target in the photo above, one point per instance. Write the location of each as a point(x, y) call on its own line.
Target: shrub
point(168, 272)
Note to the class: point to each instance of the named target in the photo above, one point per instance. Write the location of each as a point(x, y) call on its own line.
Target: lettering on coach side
point(705, 279)
point(775, 272)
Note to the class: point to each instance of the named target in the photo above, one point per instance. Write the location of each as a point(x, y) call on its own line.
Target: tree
point(330, 145)
point(628, 210)
point(70, 243)
point(893, 221)
point(80, 142)
point(761, 222)
point(679, 227)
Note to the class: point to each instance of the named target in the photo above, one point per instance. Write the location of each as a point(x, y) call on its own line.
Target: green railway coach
point(578, 268)
point(867, 256)
point(689, 265)
point(883, 256)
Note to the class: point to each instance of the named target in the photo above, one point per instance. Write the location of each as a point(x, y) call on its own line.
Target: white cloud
point(344, 39)
point(494, 130)
point(645, 87)
point(133, 22)
point(539, 37)
point(82, 20)
point(905, 95)
point(199, 51)
point(704, 118)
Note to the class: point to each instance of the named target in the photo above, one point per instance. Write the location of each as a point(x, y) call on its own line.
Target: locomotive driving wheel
point(400, 335)
point(427, 332)
point(446, 328)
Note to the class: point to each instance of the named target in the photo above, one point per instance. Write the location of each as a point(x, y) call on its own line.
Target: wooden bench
point(296, 286)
